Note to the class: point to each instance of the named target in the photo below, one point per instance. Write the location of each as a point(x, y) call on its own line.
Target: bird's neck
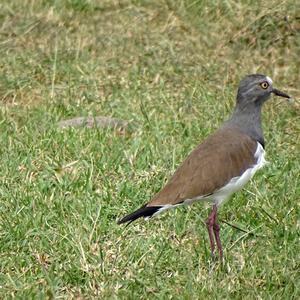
point(247, 119)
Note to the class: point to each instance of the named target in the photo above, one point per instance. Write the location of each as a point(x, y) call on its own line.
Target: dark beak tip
point(280, 93)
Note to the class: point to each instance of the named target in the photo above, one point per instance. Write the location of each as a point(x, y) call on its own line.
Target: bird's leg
point(210, 227)
point(216, 227)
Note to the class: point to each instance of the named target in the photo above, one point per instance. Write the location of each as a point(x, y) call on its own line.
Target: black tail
point(144, 211)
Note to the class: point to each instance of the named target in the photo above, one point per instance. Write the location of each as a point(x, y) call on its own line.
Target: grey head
point(253, 91)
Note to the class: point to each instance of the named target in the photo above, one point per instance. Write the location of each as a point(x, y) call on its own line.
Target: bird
point(222, 164)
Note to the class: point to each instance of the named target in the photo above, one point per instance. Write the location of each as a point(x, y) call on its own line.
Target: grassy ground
point(171, 67)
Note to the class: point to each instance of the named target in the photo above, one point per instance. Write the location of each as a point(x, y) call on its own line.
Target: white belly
point(234, 185)
point(237, 183)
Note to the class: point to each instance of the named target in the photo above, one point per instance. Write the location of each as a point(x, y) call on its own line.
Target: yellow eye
point(264, 85)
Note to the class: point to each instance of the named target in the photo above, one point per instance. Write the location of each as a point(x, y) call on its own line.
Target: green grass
point(171, 67)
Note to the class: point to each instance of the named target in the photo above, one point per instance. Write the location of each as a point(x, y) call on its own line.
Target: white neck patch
point(269, 80)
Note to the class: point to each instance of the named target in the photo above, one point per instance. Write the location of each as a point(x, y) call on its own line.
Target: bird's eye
point(264, 85)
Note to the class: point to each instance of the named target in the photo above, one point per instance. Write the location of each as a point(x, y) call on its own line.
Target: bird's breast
point(237, 183)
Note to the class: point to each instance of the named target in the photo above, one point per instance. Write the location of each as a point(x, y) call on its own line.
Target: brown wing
point(222, 156)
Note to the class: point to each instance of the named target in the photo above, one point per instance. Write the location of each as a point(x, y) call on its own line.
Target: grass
point(171, 67)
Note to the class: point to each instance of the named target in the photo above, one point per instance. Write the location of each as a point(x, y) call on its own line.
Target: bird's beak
point(280, 93)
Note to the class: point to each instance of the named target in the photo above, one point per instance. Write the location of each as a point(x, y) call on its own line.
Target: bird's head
point(256, 89)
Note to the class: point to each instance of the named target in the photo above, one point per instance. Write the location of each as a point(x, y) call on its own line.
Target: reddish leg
point(218, 240)
point(213, 231)
point(210, 225)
